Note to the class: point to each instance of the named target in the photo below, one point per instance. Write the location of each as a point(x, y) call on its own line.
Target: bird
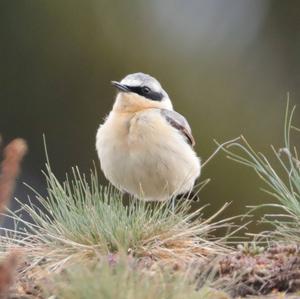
point(145, 147)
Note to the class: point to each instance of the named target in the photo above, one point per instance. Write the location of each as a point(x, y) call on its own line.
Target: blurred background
point(227, 65)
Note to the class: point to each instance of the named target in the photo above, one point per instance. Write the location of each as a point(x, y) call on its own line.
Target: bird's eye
point(146, 89)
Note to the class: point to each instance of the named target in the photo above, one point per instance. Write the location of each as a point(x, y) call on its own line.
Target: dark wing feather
point(177, 121)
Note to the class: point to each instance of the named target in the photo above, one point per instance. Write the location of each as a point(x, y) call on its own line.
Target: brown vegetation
point(10, 168)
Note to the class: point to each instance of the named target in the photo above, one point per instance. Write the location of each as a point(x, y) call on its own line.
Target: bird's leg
point(193, 196)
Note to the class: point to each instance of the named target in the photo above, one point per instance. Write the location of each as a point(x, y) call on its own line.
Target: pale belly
point(148, 164)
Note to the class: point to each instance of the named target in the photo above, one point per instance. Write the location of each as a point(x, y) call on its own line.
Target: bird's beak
point(120, 86)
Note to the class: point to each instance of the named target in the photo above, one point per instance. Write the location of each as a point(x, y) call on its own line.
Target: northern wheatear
point(145, 147)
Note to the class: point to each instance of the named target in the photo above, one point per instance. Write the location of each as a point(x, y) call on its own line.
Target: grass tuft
point(82, 220)
point(282, 180)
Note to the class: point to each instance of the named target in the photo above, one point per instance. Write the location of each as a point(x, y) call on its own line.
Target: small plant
point(282, 181)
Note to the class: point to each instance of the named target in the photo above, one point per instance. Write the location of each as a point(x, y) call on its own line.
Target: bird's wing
point(177, 121)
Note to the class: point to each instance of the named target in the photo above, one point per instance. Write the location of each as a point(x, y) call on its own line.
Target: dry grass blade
point(10, 169)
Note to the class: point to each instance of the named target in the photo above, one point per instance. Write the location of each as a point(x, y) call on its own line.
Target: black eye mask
point(146, 92)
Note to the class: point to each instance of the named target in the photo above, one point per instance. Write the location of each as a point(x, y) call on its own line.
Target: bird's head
point(140, 91)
